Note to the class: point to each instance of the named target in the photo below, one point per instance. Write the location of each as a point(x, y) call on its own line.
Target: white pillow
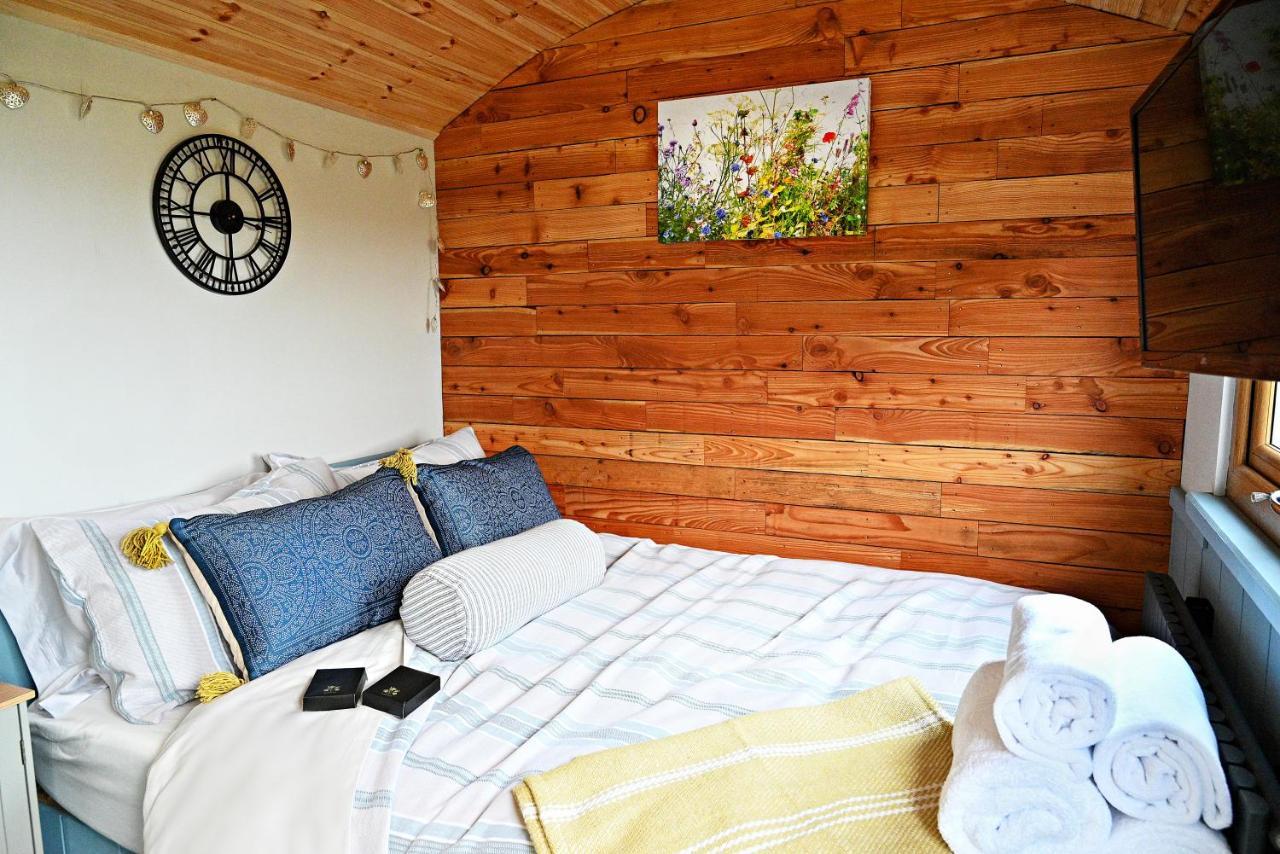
point(153, 636)
point(474, 598)
point(50, 628)
point(454, 448)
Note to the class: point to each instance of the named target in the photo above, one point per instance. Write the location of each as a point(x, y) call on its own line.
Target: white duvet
point(674, 639)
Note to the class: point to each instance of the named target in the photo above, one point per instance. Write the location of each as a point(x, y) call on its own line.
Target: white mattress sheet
point(94, 763)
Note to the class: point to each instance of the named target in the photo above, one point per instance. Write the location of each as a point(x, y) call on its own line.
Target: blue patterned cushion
point(478, 501)
point(292, 579)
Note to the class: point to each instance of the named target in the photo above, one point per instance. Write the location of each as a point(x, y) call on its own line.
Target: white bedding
point(94, 763)
point(675, 638)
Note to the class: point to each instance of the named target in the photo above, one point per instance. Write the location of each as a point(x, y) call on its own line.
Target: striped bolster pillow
point(474, 598)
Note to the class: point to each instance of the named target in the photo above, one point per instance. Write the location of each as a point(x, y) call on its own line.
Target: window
point(1255, 461)
point(1261, 451)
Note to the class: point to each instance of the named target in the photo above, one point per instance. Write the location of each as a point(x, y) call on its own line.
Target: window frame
point(1255, 462)
point(1260, 454)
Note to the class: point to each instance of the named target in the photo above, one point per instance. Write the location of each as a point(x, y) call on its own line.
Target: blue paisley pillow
point(288, 580)
point(474, 502)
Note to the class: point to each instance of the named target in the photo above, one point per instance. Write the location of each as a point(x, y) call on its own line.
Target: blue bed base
point(63, 833)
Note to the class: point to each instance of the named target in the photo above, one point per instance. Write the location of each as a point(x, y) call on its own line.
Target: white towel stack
point(1067, 704)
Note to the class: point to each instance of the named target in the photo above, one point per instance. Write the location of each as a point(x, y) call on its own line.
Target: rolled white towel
point(996, 803)
point(1134, 836)
point(1160, 762)
point(1057, 698)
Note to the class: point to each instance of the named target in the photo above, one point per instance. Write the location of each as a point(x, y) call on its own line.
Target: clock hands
point(258, 222)
point(264, 222)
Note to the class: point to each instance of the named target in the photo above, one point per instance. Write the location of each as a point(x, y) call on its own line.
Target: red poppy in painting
point(829, 136)
point(1253, 66)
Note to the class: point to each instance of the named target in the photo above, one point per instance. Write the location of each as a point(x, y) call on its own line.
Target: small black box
point(401, 691)
point(334, 689)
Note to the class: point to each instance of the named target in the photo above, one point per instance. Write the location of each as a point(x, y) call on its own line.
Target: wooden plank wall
point(959, 391)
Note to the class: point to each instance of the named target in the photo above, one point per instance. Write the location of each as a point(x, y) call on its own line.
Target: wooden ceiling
point(1183, 15)
point(409, 64)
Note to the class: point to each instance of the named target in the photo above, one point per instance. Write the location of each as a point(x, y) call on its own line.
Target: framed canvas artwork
point(773, 163)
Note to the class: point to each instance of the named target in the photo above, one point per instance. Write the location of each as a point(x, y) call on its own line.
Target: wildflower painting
point(766, 164)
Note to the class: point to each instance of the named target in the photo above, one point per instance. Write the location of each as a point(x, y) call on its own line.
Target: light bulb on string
point(14, 95)
point(152, 120)
point(195, 113)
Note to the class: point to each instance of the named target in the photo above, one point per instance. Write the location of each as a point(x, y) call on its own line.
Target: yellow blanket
point(859, 774)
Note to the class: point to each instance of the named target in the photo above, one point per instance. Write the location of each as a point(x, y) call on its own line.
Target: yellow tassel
point(402, 461)
point(144, 547)
point(214, 685)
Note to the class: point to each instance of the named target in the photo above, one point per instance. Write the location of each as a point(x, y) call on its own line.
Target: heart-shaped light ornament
point(195, 113)
point(14, 95)
point(152, 120)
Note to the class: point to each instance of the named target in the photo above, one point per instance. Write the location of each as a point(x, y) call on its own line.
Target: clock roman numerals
point(221, 214)
point(186, 238)
point(204, 163)
point(204, 263)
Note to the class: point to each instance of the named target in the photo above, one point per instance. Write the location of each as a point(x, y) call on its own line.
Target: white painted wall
point(122, 380)
point(1206, 444)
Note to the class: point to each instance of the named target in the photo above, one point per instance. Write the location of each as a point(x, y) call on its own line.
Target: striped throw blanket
point(858, 774)
point(675, 639)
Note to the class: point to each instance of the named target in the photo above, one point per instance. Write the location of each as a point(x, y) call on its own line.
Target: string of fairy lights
point(15, 94)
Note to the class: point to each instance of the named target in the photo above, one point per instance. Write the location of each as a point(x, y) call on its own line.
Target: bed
point(94, 763)
point(676, 638)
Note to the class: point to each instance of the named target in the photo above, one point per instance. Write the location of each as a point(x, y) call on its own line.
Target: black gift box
point(401, 691)
point(334, 689)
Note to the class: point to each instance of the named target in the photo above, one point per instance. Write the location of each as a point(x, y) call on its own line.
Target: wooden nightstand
point(19, 812)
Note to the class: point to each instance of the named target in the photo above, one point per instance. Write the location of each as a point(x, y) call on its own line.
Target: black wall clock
point(221, 214)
